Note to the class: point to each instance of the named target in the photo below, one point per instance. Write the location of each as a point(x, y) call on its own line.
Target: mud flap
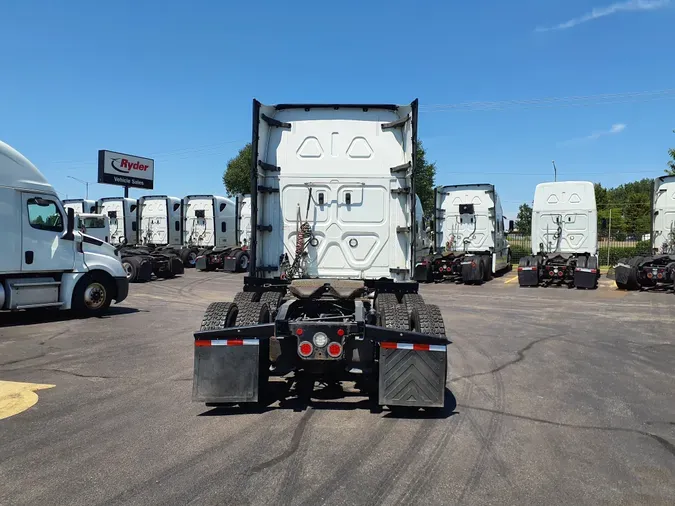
point(622, 273)
point(230, 264)
point(176, 265)
point(471, 270)
point(585, 278)
point(200, 263)
point(413, 377)
point(422, 273)
point(528, 276)
point(226, 373)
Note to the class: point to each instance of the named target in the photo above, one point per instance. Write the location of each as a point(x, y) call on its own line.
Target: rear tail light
point(335, 350)
point(560, 274)
point(305, 349)
point(660, 275)
point(340, 332)
point(650, 275)
point(551, 273)
point(299, 332)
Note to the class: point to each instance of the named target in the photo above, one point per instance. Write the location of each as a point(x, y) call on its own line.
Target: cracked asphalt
point(555, 396)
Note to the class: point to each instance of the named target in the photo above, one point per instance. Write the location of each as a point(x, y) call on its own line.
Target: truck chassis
point(646, 272)
point(231, 259)
point(467, 268)
point(380, 334)
point(559, 269)
point(141, 263)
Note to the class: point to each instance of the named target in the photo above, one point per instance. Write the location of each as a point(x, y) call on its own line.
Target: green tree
point(524, 219)
point(671, 163)
point(425, 174)
point(237, 176)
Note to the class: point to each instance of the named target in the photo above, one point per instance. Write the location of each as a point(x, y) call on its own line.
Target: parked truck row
point(161, 235)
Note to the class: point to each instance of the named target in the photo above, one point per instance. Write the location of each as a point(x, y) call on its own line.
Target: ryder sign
point(125, 170)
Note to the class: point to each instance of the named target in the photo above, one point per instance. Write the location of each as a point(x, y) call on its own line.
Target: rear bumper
point(122, 285)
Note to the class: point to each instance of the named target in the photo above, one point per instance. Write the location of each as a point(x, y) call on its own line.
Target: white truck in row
point(45, 261)
point(564, 237)
point(657, 269)
point(469, 236)
point(330, 293)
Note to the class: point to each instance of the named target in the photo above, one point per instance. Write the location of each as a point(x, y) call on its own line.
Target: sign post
point(130, 171)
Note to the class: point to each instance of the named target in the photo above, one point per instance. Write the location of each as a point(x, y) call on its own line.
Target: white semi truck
point(564, 237)
point(81, 205)
point(329, 293)
point(45, 262)
point(657, 269)
point(470, 242)
point(216, 229)
point(95, 225)
point(139, 261)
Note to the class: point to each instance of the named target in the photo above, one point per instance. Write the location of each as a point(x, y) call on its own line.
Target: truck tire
point(242, 297)
point(92, 295)
point(241, 259)
point(427, 319)
point(411, 300)
point(130, 269)
point(252, 313)
point(383, 299)
point(392, 315)
point(189, 257)
point(633, 283)
point(509, 260)
point(219, 315)
point(272, 299)
point(487, 268)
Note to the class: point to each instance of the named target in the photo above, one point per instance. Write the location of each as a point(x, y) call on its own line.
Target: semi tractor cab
point(212, 229)
point(45, 261)
point(470, 242)
point(140, 262)
point(95, 225)
point(564, 237)
point(81, 206)
point(329, 294)
point(162, 227)
point(657, 269)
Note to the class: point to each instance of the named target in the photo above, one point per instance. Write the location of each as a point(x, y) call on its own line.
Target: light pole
point(85, 183)
point(555, 171)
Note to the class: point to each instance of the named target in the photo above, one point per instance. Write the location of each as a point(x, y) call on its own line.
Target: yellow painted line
point(17, 397)
point(511, 280)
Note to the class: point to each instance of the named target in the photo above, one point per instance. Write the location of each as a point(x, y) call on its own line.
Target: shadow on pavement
point(35, 316)
point(289, 395)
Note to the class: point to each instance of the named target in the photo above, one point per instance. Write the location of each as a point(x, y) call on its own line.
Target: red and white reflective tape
point(527, 268)
point(227, 342)
point(416, 347)
point(584, 269)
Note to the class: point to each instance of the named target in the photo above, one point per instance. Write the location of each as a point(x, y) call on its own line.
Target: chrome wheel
point(243, 262)
point(128, 269)
point(95, 296)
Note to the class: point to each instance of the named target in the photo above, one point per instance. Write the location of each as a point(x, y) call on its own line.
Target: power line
point(571, 101)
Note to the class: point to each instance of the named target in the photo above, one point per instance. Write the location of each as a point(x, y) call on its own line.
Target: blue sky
point(174, 80)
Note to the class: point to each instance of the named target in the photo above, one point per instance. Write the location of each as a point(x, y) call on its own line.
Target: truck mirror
point(70, 225)
point(512, 226)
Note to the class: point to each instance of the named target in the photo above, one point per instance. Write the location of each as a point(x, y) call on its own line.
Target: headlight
point(320, 339)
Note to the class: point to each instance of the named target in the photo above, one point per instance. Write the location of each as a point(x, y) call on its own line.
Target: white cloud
point(601, 12)
point(616, 128)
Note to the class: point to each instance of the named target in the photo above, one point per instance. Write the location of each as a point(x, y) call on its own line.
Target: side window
point(44, 215)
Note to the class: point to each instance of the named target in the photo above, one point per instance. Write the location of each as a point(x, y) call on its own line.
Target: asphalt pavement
point(555, 396)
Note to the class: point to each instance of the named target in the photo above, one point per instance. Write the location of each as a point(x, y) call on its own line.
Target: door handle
point(28, 257)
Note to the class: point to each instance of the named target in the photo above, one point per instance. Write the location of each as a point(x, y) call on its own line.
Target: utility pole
point(85, 183)
point(555, 171)
point(609, 235)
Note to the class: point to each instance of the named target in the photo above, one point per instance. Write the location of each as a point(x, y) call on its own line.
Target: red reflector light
point(650, 275)
point(335, 349)
point(202, 342)
point(421, 347)
point(594, 271)
point(390, 346)
point(340, 332)
point(659, 275)
point(299, 332)
point(520, 269)
point(305, 349)
point(551, 273)
point(560, 274)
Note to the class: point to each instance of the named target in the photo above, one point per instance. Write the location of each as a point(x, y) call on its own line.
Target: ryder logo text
point(125, 166)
